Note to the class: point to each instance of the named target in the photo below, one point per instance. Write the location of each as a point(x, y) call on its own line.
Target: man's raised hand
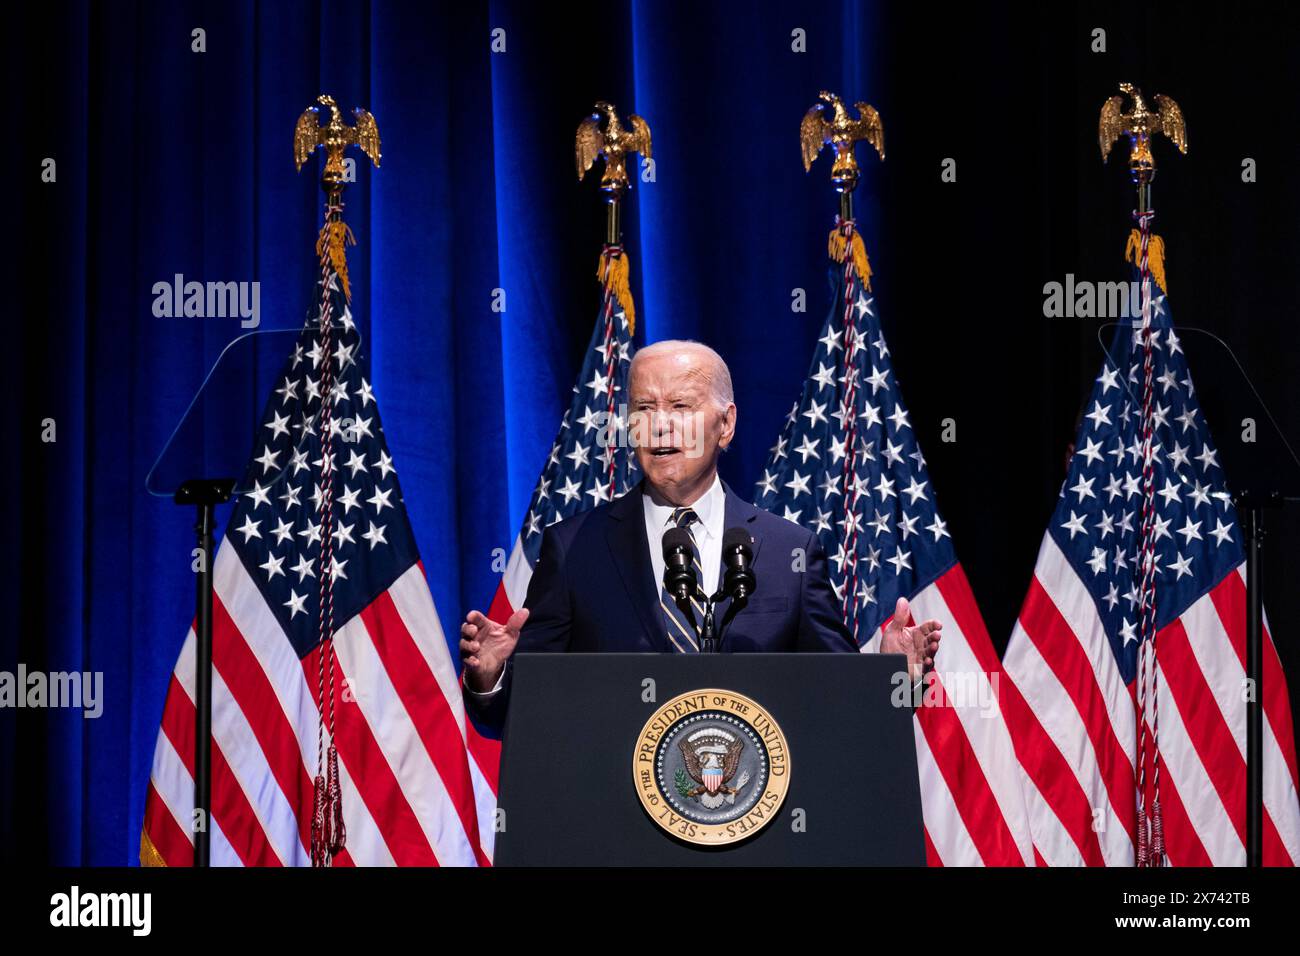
point(919, 642)
point(486, 645)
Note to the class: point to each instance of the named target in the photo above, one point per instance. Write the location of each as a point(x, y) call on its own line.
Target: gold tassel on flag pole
point(335, 234)
point(841, 248)
point(1155, 256)
point(613, 271)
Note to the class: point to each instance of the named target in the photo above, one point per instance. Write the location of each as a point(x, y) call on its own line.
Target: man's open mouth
point(664, 452)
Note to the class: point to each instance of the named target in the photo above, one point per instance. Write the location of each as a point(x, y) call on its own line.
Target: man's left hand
point(920, 642)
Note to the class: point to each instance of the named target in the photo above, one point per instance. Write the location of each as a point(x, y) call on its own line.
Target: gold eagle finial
point(1140, 124)
point(335, 136)
point(614, 142)
point(841, 131)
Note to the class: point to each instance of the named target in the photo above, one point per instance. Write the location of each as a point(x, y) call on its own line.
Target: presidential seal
point(711, 767)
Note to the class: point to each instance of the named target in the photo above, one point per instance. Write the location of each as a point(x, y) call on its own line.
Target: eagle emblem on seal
point(711, 756)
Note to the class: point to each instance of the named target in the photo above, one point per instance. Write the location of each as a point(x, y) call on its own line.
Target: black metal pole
point(846, 205)
point(203, 689)
point(1253, 527)
point(204, 495)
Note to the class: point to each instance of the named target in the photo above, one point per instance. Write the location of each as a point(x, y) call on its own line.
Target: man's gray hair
point(716, 369)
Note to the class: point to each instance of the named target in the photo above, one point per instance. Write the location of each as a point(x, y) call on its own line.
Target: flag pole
point(1147, 252)
point(328, 833)
point(602, 135)
point(828, 123)
point(613, 226)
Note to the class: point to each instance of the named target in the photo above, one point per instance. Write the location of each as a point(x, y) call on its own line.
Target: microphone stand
point(205, 494)
point(711, 633)
point(705, 631)
point(708, 641)
point(708, 633)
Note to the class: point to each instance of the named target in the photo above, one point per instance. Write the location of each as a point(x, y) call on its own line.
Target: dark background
point(173, 161)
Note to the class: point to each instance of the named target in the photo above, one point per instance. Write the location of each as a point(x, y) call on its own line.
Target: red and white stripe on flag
point(1074, 719)
point(411, 795)
point(971, 795)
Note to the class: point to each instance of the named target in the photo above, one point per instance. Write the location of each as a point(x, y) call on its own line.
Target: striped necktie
point(681, 635)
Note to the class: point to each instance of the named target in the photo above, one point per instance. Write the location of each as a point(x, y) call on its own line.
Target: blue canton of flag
point(276, 527)
point(847, 466)
point(1097, 522)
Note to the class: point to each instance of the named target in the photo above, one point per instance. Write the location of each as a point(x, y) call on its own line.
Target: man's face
point(676, 425)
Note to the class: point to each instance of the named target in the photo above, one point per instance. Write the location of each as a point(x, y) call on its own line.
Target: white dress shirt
point(710, 509)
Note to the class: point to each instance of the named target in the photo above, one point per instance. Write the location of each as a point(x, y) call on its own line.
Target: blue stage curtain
point(173, 161)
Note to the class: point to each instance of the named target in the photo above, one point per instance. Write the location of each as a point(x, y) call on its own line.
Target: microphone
point(679, 567)
point(737, 557)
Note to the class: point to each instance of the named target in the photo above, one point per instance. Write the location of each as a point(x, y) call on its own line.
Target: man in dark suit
point(598, 581)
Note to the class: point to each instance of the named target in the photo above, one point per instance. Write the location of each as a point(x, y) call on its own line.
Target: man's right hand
point(486, 645)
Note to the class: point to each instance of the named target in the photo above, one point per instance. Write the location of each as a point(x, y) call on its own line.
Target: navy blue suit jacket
point(593, 589)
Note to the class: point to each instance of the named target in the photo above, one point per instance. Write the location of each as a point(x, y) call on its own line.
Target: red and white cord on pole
point(1150, 826)
point(848, 415)
point(328, 834)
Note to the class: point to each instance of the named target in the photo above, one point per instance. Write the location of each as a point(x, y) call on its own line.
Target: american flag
point(410, 793)
point(589, 463)
point(848, 467)
point(1074, 653)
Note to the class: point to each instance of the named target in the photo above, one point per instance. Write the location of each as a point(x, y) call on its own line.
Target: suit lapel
point(630, 551)
point(741, 514)
point(738, 513)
